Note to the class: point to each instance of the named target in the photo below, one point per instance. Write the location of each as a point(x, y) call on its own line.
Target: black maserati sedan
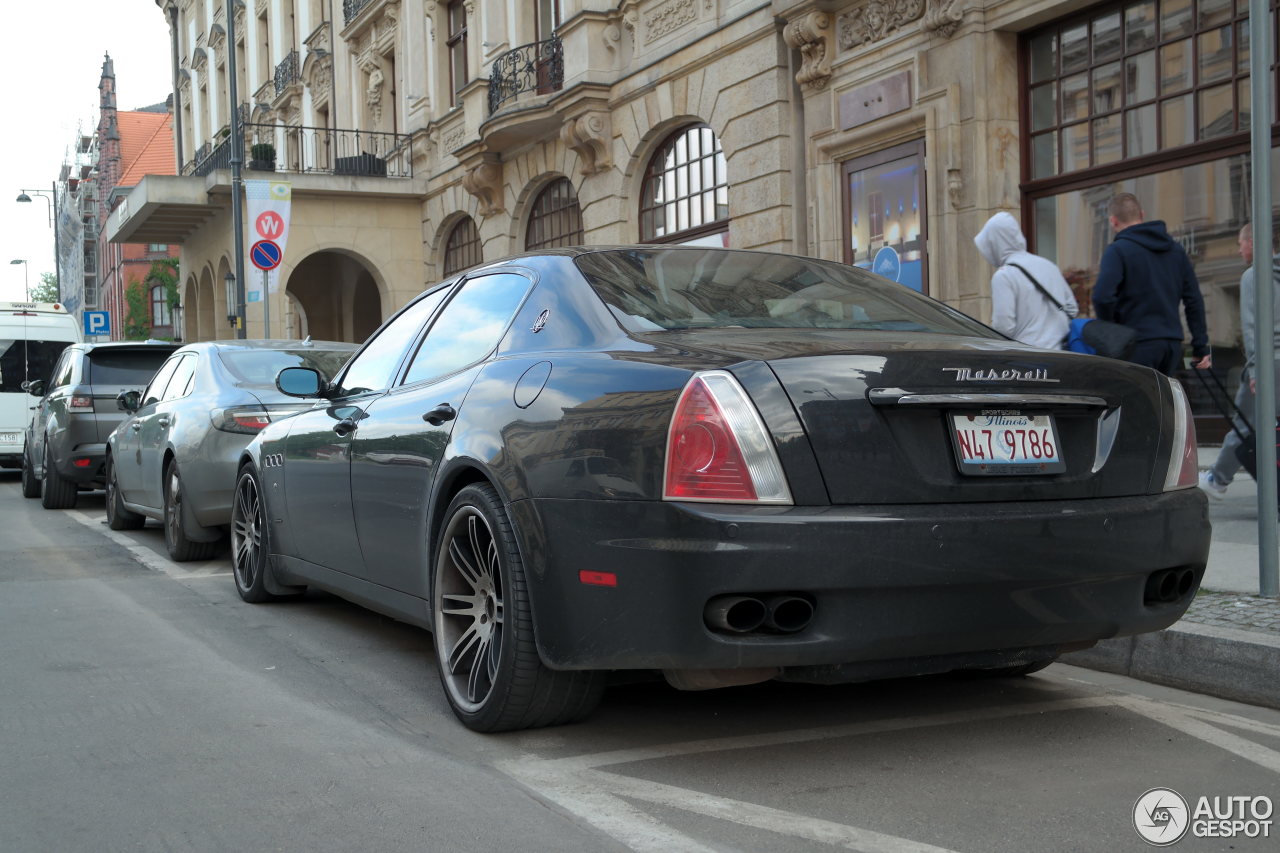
point(726, 467)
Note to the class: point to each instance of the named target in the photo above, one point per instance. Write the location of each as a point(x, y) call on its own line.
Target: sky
point(50, 65)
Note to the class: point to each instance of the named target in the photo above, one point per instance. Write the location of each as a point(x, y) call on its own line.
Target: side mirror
point(128, 401)
point(34, 387)
point(300, 382)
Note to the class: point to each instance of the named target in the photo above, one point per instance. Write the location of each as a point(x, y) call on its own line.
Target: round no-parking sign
point(265, 255)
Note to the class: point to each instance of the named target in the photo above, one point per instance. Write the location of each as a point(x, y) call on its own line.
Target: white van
point(32, 336)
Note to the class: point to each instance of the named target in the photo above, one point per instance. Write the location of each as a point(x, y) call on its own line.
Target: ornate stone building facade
point(424, 136)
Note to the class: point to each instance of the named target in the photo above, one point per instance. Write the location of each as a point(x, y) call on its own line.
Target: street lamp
point(51, 199)
point(26, 284)
point(232, 313)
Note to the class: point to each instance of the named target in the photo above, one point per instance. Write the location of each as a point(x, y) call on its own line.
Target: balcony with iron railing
point(288, 72)
point(536, 67)
point(351, 9)
point(311, 150)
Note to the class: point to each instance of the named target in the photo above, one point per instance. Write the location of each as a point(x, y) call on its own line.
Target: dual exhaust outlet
point(743, 614)
point(1168, 585)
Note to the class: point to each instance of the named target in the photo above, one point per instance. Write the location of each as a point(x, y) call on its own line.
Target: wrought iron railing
point(287, 72)
point(209, 158)
point(351, 8)
point(537, 67)
point(326, 151)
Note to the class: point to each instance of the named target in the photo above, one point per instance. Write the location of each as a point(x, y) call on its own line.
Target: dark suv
point(67, 438)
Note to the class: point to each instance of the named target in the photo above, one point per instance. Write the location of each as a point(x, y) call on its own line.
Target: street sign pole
point(266, 307)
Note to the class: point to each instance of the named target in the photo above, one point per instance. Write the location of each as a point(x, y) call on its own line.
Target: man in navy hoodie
point(1143, 276)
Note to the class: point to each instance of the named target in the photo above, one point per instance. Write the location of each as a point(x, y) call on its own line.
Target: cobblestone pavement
point(1233, 610)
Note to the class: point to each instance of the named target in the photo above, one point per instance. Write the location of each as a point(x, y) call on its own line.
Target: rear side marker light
point(80, 403)
point(718, 449)
point(598, 578)
point(1183, 470)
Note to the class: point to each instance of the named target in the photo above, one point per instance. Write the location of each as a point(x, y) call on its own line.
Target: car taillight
point(1182, 473)
point(243, 419)
point(718, 448)
point(80, 403)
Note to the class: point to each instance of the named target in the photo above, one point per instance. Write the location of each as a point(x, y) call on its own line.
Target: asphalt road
point(143, 706)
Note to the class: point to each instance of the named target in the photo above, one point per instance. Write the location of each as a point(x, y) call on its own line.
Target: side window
point(372, 368)
point(62, 372)
point(181, 379)
point(470, 326)
point(158, 382)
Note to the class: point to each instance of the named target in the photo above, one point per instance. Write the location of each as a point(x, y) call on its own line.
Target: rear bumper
point(900, 584)
point(83, 465)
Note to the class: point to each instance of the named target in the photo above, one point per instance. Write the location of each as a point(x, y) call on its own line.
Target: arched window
point(160, 314)
point(556, 219)
point(462, 250)
point(686, 190)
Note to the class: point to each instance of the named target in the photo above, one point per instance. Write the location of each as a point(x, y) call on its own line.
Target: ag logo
point(1161, 817)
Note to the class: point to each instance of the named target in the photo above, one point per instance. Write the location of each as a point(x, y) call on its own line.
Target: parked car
point(66, 441)
point(814, 475)
point(32, 336)
point(174, 457)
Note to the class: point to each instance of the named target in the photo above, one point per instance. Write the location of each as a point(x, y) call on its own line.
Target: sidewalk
point(1228, 643)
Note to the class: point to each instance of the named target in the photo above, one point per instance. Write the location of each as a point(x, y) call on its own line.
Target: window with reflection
point(686, 190)
point(160, 312)
point(556, 218)
point(374, 367)
point(462, 249)
point(1135, 79)
point(469, 327)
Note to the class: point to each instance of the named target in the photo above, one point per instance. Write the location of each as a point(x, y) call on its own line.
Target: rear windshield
point(124, 366)
point(260, 366)
point(23, 360)
point(686, 288)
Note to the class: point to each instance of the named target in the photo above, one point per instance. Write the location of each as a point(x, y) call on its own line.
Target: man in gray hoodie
point(1019, 308)
point(1219, 476)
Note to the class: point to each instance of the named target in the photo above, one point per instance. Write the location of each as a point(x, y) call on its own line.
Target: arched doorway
point(337, 299)
point(189, 326)
point(207, 330)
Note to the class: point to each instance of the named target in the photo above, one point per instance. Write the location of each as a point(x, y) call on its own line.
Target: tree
point(46, 290)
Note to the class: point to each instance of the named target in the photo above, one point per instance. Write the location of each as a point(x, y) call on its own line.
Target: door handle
point(440, 414)
point(163, 421)
point(344, 427)
point(135, 426)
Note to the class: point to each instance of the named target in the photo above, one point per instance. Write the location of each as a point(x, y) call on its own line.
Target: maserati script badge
point(1012, 374)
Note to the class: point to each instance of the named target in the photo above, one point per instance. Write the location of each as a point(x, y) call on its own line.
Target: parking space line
point(758, 816)
point(1176, 718)
point(141, 553)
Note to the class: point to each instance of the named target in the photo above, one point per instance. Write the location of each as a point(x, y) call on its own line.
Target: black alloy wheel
point(30, 485)
point(485, 648)
point(119, 517)
point(58, 492)
point(181, 548)
point(251, 541)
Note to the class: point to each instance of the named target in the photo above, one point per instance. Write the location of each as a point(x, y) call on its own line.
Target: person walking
point(1143, 276)
point(1219, 476)
point(1024, 287)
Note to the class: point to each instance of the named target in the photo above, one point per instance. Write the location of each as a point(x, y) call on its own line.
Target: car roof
point(90, 346)
point(291, 343)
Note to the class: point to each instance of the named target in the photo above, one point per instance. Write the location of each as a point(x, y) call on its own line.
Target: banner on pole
point(268, 214)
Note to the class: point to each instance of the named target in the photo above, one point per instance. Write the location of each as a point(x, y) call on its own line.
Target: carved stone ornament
point(944, 17)
point(373, 90)
point(666, 18)
point(810, 34)
point(955, 187)
point(588, 135)
point(386, 27)
point(484, 181)
point(875, 20)
point(218, 39)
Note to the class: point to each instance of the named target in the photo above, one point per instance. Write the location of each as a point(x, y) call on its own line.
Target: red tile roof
point(146, 145)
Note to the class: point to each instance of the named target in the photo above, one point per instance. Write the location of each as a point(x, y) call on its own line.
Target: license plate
point(1000, 442)
point(10, 437)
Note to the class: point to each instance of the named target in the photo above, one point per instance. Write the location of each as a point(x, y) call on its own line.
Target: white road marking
point(149, 558)
point(1175, 718)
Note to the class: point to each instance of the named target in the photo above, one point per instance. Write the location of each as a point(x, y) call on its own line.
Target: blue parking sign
point(97, 323)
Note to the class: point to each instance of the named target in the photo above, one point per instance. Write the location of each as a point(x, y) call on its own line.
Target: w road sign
point(265, 255)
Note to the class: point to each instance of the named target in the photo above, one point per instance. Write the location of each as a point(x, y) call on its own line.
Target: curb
point(1224, 662)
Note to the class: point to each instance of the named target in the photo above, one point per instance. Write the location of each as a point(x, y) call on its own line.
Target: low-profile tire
point(251, 542)
point(119, 517)
point(483, 627)
point(30, 485)
point(57, 492)
point(181, 549)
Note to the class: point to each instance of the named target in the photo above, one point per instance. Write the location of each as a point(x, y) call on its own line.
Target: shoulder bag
point(1107, 339)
